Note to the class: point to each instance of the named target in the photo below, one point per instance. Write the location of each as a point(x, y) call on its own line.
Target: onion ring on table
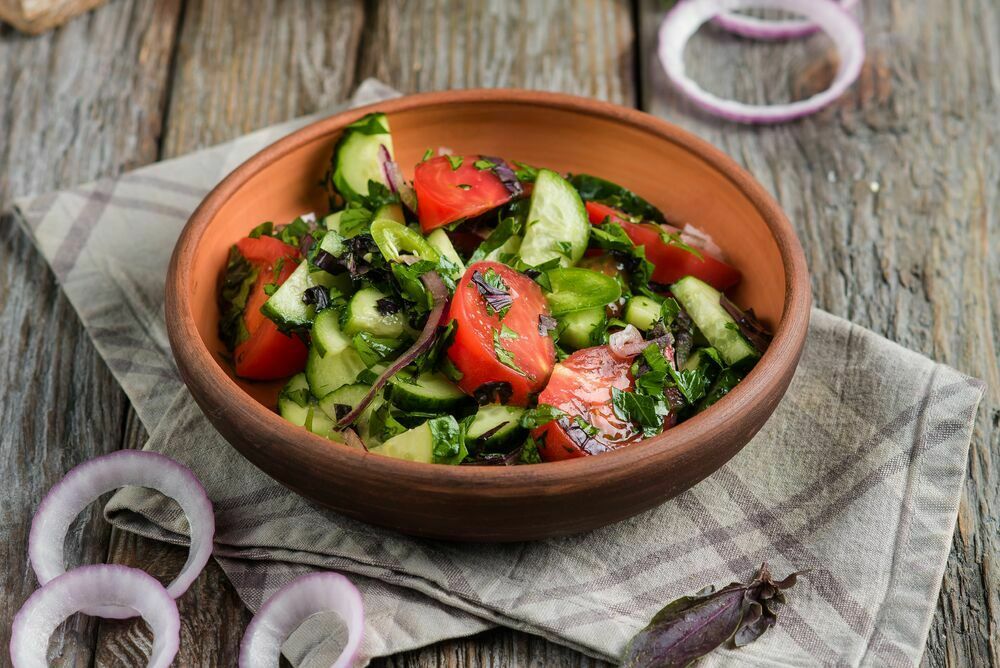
point(100, 586)
point(85, 483)
point(291, 605)
point(684, 20)
point(770, 29)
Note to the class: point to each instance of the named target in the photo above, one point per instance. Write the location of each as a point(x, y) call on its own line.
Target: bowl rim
point(201, 370)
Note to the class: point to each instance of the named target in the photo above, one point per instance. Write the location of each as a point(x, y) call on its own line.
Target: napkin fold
point(857, 476)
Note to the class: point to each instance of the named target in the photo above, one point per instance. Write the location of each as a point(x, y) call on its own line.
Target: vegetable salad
point(488, 312)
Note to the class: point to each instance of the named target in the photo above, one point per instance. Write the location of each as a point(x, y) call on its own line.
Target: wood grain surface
point(894, 192)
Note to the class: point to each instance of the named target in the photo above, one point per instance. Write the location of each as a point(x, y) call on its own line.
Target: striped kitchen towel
point(857, 477)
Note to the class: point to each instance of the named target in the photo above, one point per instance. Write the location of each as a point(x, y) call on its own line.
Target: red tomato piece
point(480, 331)
point(267, 353)
point(670, 262)
point(265, 251)
point(580, 386)
point(446, 195)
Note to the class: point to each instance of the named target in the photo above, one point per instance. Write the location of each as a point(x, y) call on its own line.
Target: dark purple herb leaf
point(493, 392)
point(578, 433)
point(546, 323)
point(494, 458)
point(493, 291)
point(328, 263)
point(387, 306)
point(318, 296)
point(751, 328)
point(506, 175)
point(692, 626)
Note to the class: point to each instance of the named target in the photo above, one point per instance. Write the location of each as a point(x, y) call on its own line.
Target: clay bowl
point(690, 180)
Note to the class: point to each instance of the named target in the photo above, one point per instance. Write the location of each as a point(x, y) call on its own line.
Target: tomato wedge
point(267, 353)
point(446, 194)
point(580, 386)
point(490, 349)
point(671, 263)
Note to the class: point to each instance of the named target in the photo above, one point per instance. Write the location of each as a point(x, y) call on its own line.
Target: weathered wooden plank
point(894, 192)
point(573, 47)
point(82, 102)
point(278, 61)
point(585, 48)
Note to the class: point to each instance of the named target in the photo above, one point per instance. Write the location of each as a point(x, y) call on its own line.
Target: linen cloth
point(857, 476)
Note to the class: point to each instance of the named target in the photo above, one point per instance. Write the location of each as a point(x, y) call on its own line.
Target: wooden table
point(895, 194)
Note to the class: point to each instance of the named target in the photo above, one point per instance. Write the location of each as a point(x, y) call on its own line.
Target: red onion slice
point(100, 586)
point(683, 21)
point(88, 481)
point(394, 177)
point(769, 29)
point(627, 343)
point(291, 605)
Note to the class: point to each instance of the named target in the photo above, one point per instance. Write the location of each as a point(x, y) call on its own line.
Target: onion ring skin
point(293, 604)
point(88, 481)
point(688, 16)
point(103, 586)
point(770, 29)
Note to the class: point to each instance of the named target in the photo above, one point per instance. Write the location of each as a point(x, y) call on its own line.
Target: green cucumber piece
point(642, 311)
point(286, 308)
point(332, 361)
point(294, 400)
point(356, 160)
point(332, 221)
point(575, 289)
point(394, 239)
point(419, 444)
point(701, 301)
point(582, 329)
point(362, 315)
point(439, 241)
point(428, 392)
point(557, 224)
point(495, 428)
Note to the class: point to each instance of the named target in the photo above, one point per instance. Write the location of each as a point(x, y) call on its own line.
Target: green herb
point(539, 415)
point(369, 124)
point(525, 172)
point(612, 237)
point(594, 189)
point(455, 161)
point(483, 164)
point(642, 410)
point(450, 371)
point(429, 359)
point(564, 248)
point(586, 427)
point(674, 239)
point(692, 383)
point(299, 397)
point(692, 626)
point(293, 232)
point(262, 230)
point(529, 452)
point(428, 154)
point(446, 437)
point(410, 286)
point(651, 381)
point(372, 349)
point(382, 424)
point(508, 333)
point(495, 293)
point(464, 186)
point(378, 196)
point(669, 310)
point(238, 279)
point(501, 234)
point(505, 356)
point(270, 288)
point(714, 355)
point(726, 381)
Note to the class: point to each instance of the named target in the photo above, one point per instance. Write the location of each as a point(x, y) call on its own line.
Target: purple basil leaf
point(751, 328)
point(692, 626)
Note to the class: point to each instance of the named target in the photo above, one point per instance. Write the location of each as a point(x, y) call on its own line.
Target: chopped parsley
point(508, 333)
point(464, 186)
point(505, 356)
point(644, 411)
point(483, 164)
point(455, 161)
point(428, 154)
point(541, 414)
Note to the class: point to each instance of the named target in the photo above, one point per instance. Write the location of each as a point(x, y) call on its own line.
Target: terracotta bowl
point(690, 180)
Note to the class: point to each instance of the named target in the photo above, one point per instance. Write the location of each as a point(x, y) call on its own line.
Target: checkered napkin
point(857, 476)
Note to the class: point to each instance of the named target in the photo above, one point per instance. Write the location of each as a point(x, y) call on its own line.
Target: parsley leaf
point(505, 356)
point(651, 381)
point(529, 452)
point(674, 239)
point(541, 414)
point(693, 383)
point(483, 164)
point(508, 333)
point(642, 410)
point(455, 161)
point(446, 437)
point(428, 154)
point(525, 172)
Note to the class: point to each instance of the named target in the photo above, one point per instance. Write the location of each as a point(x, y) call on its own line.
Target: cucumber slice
point(332, 221)
point(294, 400)
point(320, 424)
point(582, 329)
point(557, 225)
point(286, 308)
point(419, 444)
point(332, 361)
point(356, 160)
point(363, 316)
point(495, 428)
point(575, 289)
point(391, 212)
point(394, 239)
point(701, 301)
point(429, 392)
point(439, 241)
point(643, 312)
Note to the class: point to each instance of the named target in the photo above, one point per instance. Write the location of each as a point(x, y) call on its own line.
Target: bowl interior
point(685, 185)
